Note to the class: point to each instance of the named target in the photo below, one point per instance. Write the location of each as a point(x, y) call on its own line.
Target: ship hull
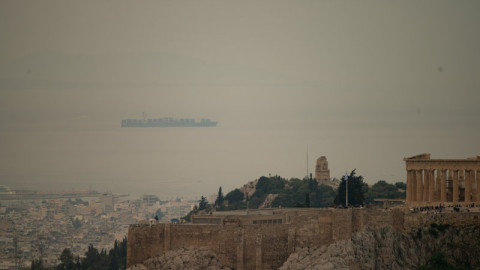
point(168, 122)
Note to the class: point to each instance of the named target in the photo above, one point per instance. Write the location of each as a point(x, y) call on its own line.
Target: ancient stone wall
point(251, 242)
point(247, 245)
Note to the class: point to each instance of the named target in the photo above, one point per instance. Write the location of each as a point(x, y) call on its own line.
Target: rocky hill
point(300, 238)
point(381, 248)
point(183, 258)
point(386, 248)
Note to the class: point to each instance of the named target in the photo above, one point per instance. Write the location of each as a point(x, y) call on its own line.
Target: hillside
point(276, 191)
point(429, 247)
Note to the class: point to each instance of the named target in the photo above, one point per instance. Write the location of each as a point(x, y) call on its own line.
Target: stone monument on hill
point(322, 173)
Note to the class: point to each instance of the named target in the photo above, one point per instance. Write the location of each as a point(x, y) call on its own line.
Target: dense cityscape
point(42, 229)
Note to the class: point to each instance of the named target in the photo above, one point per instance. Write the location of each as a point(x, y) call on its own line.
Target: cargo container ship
point(168, 122)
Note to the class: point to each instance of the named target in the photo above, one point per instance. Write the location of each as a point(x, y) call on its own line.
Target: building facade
point(433, 181)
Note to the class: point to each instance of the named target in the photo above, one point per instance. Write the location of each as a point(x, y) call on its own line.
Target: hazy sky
point(376, 80)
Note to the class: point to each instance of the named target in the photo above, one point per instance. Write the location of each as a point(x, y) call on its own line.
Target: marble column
point(419, 178)
point(413, 194)
point(473, 184)
point(443, 185)
point(454, 176)
point(477, 177)
point(409, 186)
point(437, 185)
point(431, 186)
point(468, 186)
point(426, 185)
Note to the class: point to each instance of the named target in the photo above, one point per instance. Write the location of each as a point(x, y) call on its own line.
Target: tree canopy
point(289, 193)
point(66, 259)
point(236, 200)
point(203, 203)
point(220, 198)
point(304, 193)
point(384, 190)
point(94, 259)
point(356, 190)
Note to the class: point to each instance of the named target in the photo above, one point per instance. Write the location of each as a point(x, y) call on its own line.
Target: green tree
point(265, 186)
point(324, 196)
point(95, 259)
point(272, 185)
point(118, 255)
point(235, 200)
point(383, 190)
point(220, 198)
point(307, 200)
point(356, 190)
point(116, 259)
point(290, 193)
point(203, 203)
point(66, 259)
point(37, 265)
point(234, 196)
point(294, 194)
point(401, 185)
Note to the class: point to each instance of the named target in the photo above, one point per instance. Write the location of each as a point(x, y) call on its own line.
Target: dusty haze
point(363, 83)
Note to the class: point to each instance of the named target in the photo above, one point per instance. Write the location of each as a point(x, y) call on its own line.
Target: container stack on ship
point(168, 122)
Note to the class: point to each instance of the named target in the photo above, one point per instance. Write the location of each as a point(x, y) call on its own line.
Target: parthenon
point(433, 181)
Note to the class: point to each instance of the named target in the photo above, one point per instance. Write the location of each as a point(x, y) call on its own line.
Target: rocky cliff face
point(249, 188)
point(386, 248)
point(381, 248)
point(320, 238)
point(183, 258)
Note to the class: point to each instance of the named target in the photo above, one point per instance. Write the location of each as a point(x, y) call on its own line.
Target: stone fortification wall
point(147, 241)
point(255, 241)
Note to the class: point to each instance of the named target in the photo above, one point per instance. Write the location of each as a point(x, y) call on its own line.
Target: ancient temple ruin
point(434, 181)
